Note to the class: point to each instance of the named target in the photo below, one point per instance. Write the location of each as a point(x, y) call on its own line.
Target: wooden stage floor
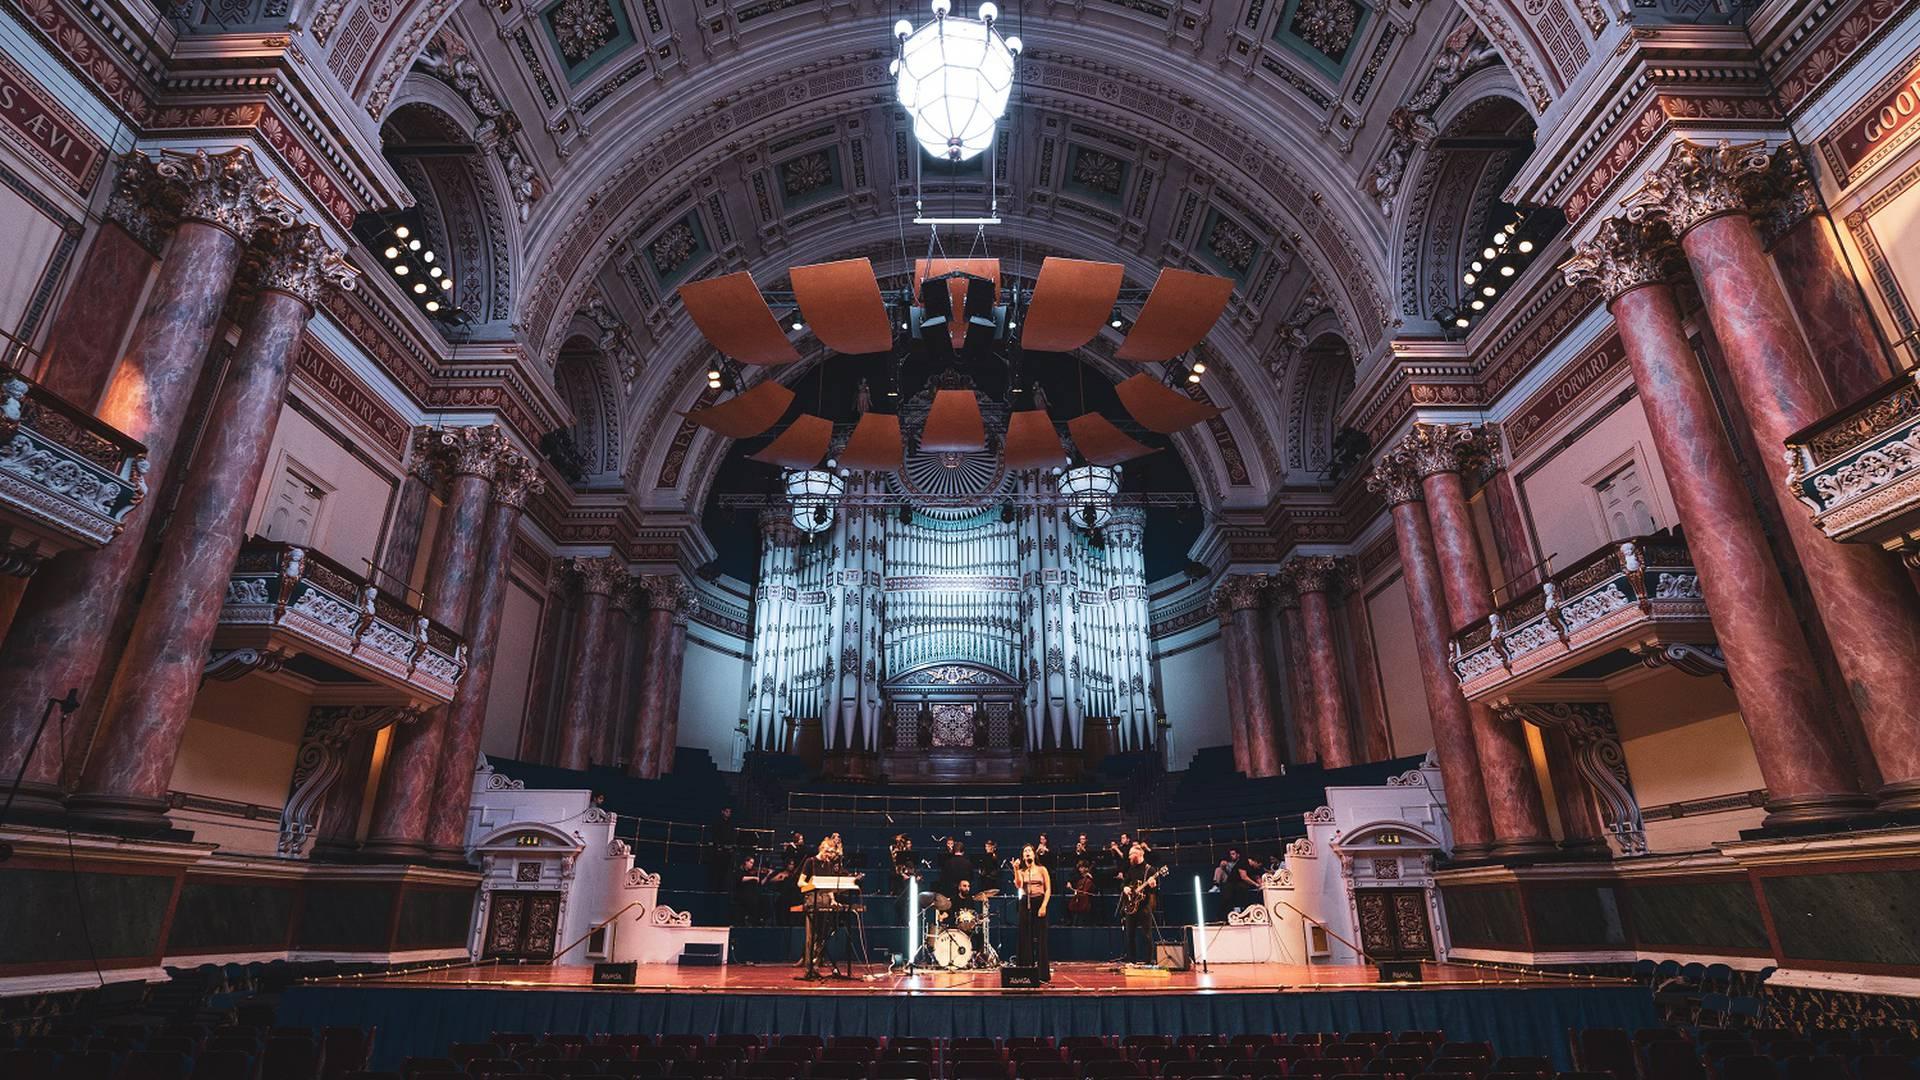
point(1068, 979)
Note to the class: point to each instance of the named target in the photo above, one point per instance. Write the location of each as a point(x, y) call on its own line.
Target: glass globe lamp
point(954, 76)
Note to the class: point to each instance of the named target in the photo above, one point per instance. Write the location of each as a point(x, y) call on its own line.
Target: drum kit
point(959, 938)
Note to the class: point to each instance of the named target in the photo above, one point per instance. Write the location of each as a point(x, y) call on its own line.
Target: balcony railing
point(1859, 469)
point(290, 606)
point(67, 481)
point(1641, 595)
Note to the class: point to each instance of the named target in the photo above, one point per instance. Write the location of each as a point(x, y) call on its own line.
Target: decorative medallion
point(582, 28)
point(1231, 246)
point(1327, 25)
point(1096, 172)
point(809, 174)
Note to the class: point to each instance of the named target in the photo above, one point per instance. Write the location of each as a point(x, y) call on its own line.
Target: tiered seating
point(1757, 1054)
point(190, 1052)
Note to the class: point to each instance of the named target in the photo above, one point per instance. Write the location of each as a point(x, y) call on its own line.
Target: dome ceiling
point(645, 145)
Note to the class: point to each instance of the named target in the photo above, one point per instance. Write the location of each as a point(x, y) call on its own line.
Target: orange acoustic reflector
point(841, 303)
point(1179, 311)
point(874, 444)
point(957, 288)
point(1071, 301)
point(733, 315)
point(801, 446)
point(1032, 443)
point(1160, 408)
point(748, 414)
point(1101, 443)
point(953, 423)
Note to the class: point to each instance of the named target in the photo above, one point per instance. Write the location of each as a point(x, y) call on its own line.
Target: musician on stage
point(823, 863)
point(1080, 904)
point(906, 867)
point(1035, 885)
point(1140, 888)
point(986, 866)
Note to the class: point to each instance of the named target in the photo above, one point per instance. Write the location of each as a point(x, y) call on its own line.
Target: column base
point(1901, 798)
point(135, 816)
point(1472, 853)
point(36, 804)
point(1540, 849)
point(393, 851)
point(1825, 809)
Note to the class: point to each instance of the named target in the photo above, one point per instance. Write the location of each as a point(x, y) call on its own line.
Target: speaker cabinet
point(1173, 957)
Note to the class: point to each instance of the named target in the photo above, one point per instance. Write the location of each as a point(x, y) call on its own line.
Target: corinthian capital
point(471, 451)
point(673, 594)
point(423, 463)
point(1785, 195)
point(516, 478)
point(1314, 573)
point(1238, 592)
point(1622, 257)
point(1697, 183)
point(227, 190)
point(135, 204)
point(604, 574)
point(1394, 478)
point(1441, 448)
point(299, 262)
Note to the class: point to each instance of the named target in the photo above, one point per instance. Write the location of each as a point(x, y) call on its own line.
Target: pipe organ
point(895, 631)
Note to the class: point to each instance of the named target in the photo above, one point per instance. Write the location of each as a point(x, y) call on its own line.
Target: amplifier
point(616, 974)
point(1399, 971)
point(1015, 975)
point(1173, 957)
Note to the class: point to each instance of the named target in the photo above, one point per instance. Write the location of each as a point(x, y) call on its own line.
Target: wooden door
point(1394, 924)
point(522, 926)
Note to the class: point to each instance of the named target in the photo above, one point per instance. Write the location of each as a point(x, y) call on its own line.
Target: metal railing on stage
point(1197, 845)
point(838, 808)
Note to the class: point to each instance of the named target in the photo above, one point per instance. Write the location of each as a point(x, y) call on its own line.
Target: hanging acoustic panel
point(953, 423)
point(842, 305)
point(1159, 407)
point(874, 444)
point(801, 446)
point(1032, 443)
point(1179, 311)
point(747, 414)
point(1103, 444)
point(733, 315)
point(1071, 302)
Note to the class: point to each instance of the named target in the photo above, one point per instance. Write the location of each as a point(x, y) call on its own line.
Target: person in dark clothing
point(825, 863)
point(955, 868)
point(750, 893)
point(986, 868)
point(1035, 887)
point(1138, 875)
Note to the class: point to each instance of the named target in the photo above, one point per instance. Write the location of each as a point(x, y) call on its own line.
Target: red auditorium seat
point(537, 1052)
point(1040, 1069)
point(1885, 1067)
point(839, 1070)
point(978, 1070)
point(770, 1070)
point(153, 1065)
point(904, 1069)
point(411, 1067)
point(814, 1041)
point(1605, 1050)
point(511, 1039)
point(1526, 1066)
point(29, 1064)
point(368, 1074)
point(862, 1054)
point(1323, 1067)
point(223, 1065)
point(495, 1067)
point(467, 1053)
point(635, 1068)
point(1746, 1067)
point(688, 1042)
point(1672, 1060)
point(629, 1040)
point(1285, 1052)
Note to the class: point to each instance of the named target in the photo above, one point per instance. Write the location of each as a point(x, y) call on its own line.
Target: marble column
point(608, 715)
point(599, 578)
point(1236, 691)
point(1872, 613)
point(1240, 595)
point(403, 808)
point(1394, 480)
point(1313, 578)
point(1768, 659)
point(516, 478)
point(1295, 681)
point(544, 690)
point(84, 340)
point(57, 637)
point(1369, 704)
point(409, 514)
point(1824, 294)
point(160, 671)
point(1440, 453)
point(671, 601)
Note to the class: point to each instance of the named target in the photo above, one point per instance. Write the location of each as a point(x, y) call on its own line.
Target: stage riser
point(779, 944)
point(424, 1022)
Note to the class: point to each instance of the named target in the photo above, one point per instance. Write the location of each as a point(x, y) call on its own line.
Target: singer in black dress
point(1035, 886)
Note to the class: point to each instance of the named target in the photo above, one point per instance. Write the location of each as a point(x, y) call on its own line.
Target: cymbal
point(937, 902)
point(986, 894)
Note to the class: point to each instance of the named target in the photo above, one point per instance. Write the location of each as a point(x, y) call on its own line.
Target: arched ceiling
point(650, 142)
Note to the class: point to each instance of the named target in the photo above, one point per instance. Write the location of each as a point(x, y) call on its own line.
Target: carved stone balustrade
point(67, 481)
point(1858, 470)
point(291, 607)
point(1641, 596)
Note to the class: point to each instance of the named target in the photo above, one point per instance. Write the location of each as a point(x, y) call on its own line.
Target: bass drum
point(952, 949)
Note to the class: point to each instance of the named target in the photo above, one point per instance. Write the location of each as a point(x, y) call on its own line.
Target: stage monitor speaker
point(1173, 957)
point(1399, 971)
point(616, 974)
point(1013, 975)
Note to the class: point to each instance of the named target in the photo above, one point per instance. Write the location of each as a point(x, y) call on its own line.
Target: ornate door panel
point(522, 925)
point(1393, 924)
point(952, 725)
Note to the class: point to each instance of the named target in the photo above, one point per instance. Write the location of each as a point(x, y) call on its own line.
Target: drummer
point(964, 900)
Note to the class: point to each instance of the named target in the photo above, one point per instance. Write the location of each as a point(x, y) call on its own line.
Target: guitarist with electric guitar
point(1139, 888)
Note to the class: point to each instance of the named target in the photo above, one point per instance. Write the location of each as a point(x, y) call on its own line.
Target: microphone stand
point(67, 706)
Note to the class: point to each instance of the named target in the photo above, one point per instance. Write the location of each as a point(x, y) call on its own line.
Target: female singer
point(1035, 886)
